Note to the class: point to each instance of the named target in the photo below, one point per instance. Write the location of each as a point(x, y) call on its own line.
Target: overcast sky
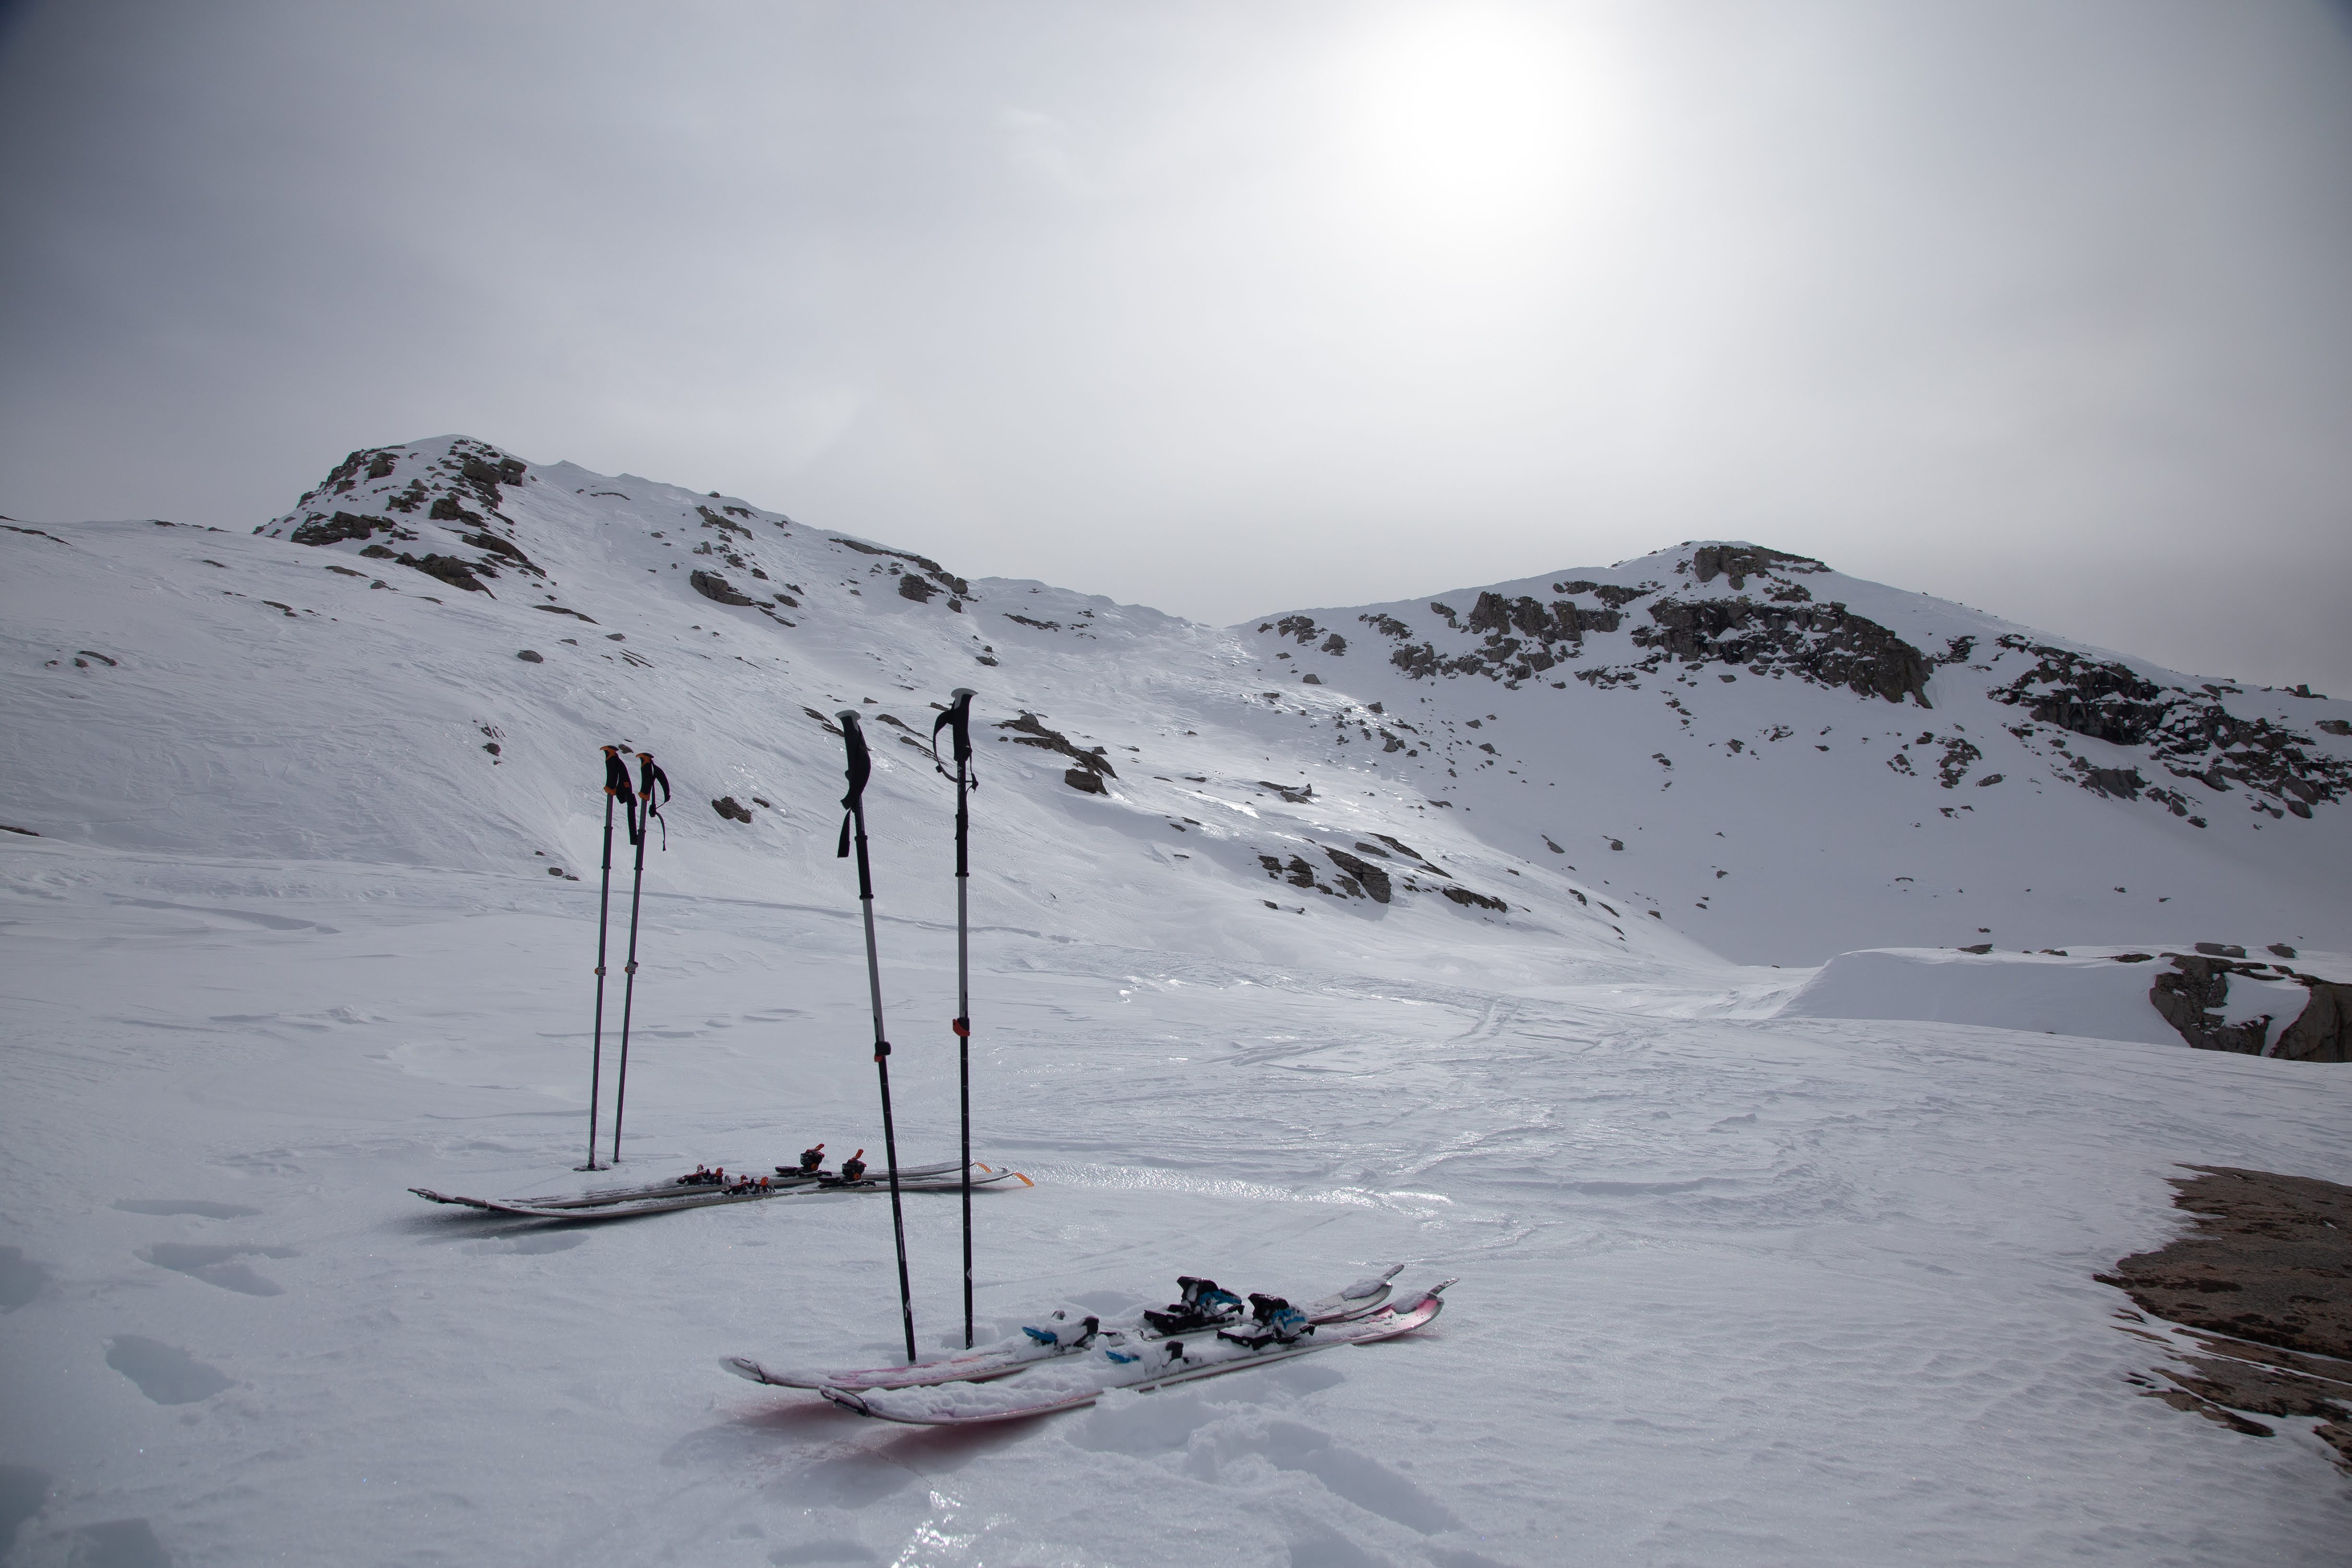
point(2043, 305)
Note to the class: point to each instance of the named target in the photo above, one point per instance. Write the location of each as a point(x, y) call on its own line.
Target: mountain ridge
point(1834, 764)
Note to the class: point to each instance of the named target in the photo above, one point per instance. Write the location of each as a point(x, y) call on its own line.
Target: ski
point(1043, 1391)
point(1031, 1346)
point(786, 1179)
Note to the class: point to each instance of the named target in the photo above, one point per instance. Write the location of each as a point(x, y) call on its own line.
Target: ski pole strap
point(957, 719)
point(963, 1027)
point(649, 774)
point(861, 768)
point(617, 775)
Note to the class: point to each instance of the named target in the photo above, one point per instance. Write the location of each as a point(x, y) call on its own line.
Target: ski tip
point(1024, 1181)
point(744, 1367)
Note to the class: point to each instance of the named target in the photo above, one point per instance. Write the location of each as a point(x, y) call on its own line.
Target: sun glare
point(1477, 117)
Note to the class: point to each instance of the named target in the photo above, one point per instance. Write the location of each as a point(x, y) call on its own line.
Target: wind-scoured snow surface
point(1750, 1273)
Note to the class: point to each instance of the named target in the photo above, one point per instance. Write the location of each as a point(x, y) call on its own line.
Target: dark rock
point(2334, 726)
point(1335, 645)
point(2191, 999)
point(2280, 949)
point(1085, 781)
point(1301, 629)
point(1827, 644)
point(1296, 794)
point(1311, 679)
point(727, 806)
point(2263, 1269)
point(506, 550)
point(919, 589)
point(1029, 731)
point(2191, 735)
point(447, 510)
point(940, 574)
point(2123, 782)
point(2322, 1032)
point(342, 525)
point(1982, 947)
point(378, 552)
point(560, 610)
point(531, 656)
point(1609, 594)
point(1374, 879)
point(381, 466)
point(1466, 898)
point(450, 569)
point(711, 586)
point(2221, 950)
point(488, 476)
point(1739, 561)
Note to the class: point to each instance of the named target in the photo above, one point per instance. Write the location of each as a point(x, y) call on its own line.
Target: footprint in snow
point(164, 1373)
point(216, 1265)
point(21, 1278)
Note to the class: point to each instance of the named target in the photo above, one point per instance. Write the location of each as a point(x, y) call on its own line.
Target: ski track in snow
point(1737, 1284)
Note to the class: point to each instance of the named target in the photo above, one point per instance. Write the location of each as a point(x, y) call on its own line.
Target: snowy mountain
point(1441, 931)
point(1717, 749)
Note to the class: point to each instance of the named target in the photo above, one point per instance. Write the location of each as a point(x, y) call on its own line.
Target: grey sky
point(1231, 307)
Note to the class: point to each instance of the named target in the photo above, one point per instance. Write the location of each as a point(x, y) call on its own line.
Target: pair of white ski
point(623, 1203)
point(1034, 1375)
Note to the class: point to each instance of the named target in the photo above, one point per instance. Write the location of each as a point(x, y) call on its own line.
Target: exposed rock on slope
point(2268, 1264)
point(2189, 733)
point(2195, 1000)
point(1731, 715)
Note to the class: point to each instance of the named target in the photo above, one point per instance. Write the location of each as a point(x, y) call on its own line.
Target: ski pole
point(648, 811)
point(957, 720)
point(616, 784)
point(861, 768)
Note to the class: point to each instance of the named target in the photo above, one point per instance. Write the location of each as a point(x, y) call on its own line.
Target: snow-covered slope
point(1275, 978)
point(1786, 763)
point(1713, 749)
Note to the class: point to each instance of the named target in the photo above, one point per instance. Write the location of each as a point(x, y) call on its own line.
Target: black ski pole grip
point(881, 1049)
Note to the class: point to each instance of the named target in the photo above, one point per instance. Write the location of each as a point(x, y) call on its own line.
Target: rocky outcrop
point(2323, 1031)
point(1373, 878)
point(2194, 997)
point(345, 525)
point(455, 571)
point(713, 586)
point(1828, 645)
point(727, 806)
point(932, 568)
point(1740, 561)
point(2191, 735)
point(2264, 1269)
point(1028, 729)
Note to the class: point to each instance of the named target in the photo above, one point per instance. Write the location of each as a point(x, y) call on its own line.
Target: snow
point(1757, 1265)
point(2096, 997)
